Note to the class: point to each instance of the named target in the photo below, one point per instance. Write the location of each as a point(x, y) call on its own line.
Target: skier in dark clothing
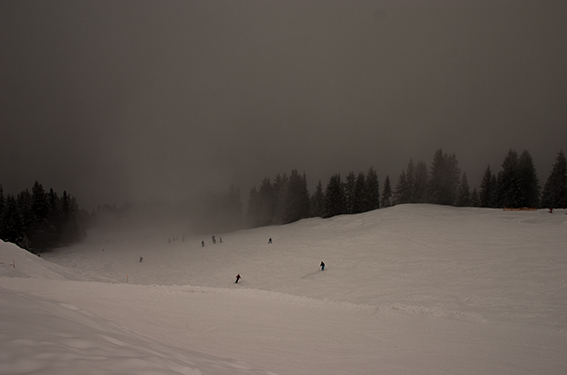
point(322, 265)
point(237, 278)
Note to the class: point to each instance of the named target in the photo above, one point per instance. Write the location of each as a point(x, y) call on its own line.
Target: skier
point(214, 240)
point(141, 259)
point(202, 243)
point(322, 265)
point(237, 278)
point(270, 240)
point(220, 239)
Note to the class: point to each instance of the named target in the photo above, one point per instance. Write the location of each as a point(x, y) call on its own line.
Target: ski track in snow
point(409, 289)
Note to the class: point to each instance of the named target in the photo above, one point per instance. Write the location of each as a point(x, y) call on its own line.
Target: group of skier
point(321, 266)
point(238, 277)
point(214, 241)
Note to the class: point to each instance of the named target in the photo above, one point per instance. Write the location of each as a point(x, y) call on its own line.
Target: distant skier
point(141, 259)
point(220, 239)
point(322, 265)
point(270, 240)
point(202, 243)
point(237, 278)
point(214, 240)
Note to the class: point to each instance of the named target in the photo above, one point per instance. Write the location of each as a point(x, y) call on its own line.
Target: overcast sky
point(117, 100)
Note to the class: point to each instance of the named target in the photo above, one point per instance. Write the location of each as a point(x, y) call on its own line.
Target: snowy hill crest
point(453, 290)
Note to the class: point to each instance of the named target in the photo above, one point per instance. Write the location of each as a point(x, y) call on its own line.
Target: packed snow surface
point(412, 289)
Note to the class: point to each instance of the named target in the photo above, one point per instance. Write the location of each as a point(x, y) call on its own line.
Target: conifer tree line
point(516, 185)
point(40, 220)
point(287, 199)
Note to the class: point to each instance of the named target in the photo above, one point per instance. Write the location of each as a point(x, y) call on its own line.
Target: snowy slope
point(409, 289)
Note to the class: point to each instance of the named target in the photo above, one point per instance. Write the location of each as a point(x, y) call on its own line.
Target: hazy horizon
point(134, 100)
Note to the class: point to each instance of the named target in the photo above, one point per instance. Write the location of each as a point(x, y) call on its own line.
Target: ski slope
point(411, 289)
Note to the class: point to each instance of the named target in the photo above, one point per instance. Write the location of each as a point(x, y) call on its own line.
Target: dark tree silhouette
point(371, 190)
point(334, 197)
point(554, 193)
point(386, 200)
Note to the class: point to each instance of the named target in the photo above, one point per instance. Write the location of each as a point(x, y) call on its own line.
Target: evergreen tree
point(253, 210)
point(334, 197)
point(36, 221)
point(1, 200)
point(2, 205)
point(509, 184)
point(359, 203)
point(279, 188)
point(409, 188)
point(12, 225)
point(40, 203)
point(261, 205)
point(555, 190)
point(317, 205)
point(475, 200)
point(487, 192)
point(293, 199)
point(41, 232)
point(420, 183)
point(386, 194)
point(463, 198)
point(55, 216)
point(402, 194)
point(529, 183)
point(445, 178)
point(72, 230)
point(24, 205)
point(494, 186)
point(302, 193)
point(349, 194)
point(372, 190)
point(266, 203)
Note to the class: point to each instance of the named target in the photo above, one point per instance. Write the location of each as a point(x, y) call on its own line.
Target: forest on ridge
point(40, 220)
